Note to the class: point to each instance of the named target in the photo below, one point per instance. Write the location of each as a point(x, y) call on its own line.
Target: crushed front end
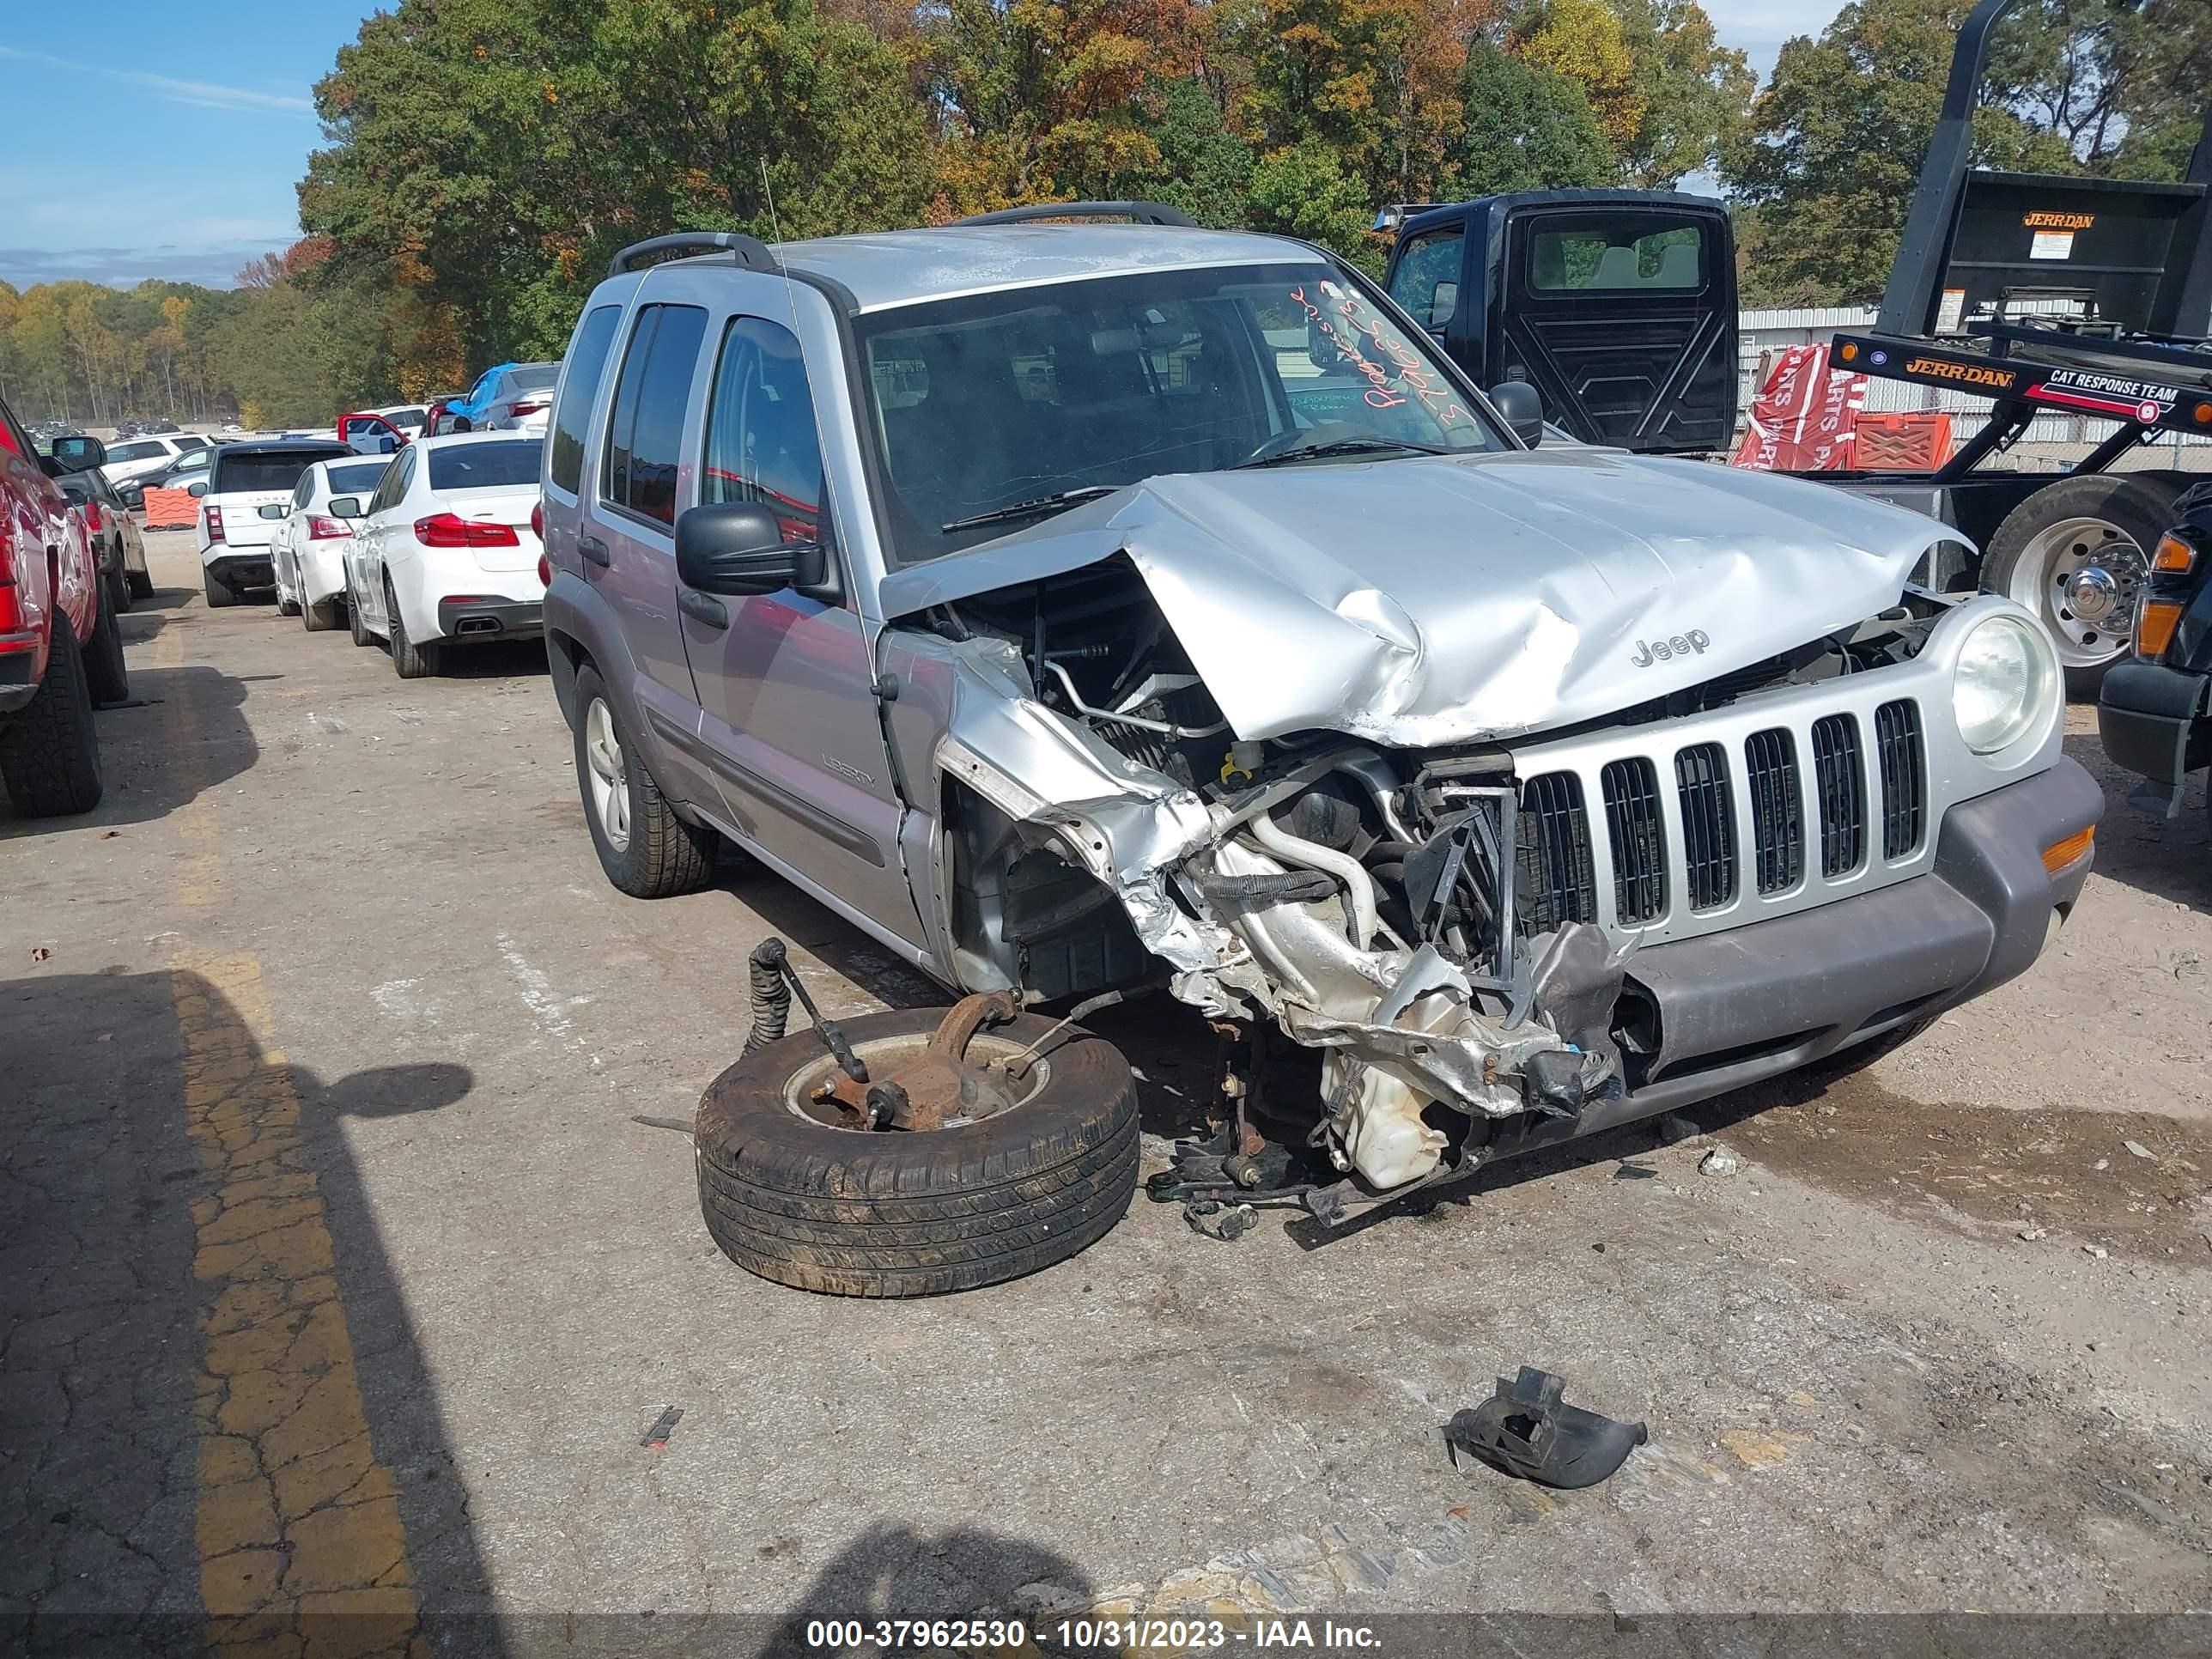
point(1498, 944)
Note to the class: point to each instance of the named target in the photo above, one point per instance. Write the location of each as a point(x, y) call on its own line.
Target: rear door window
point(588, 368)
point(1426, 280)
point(645, 433)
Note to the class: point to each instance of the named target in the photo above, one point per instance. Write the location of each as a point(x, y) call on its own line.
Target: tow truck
point(2042, 292)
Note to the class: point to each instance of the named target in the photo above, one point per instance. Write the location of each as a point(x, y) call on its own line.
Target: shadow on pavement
point(215, 1419)
point(194, 704)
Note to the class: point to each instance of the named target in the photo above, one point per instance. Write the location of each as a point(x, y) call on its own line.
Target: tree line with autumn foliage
point(485, 158)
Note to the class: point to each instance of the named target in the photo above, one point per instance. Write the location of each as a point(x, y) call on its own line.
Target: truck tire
point(50, 752)
point(646, 849)
point(2108, 522)
point(105, 676)
point(219, 591)
point(849, 1212)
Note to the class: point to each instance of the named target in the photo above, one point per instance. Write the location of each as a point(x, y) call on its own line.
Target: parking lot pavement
point(338, 1277)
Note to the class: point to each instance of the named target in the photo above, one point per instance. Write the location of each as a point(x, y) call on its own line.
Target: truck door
point(785, 678)
point(1623, 317)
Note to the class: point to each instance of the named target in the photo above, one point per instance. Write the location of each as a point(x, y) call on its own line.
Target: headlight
point(2006, 681)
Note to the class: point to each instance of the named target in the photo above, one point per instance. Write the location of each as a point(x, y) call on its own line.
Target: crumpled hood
point(1423, 602)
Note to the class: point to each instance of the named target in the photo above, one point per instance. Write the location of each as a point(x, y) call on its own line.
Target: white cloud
point(202, 95)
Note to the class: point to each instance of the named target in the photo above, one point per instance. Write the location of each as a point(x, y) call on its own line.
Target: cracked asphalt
point(338, 1286)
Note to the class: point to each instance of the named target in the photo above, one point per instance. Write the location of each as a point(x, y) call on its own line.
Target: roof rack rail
point(749, 251)
point(1143, 213)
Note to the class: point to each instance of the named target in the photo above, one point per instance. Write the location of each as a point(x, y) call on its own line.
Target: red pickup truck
point(60, 649)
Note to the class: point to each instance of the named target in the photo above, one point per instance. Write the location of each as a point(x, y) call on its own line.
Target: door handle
point(702, 607)
point(594, 551)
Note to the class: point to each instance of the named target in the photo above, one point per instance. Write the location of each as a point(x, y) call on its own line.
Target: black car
point(2153, 713)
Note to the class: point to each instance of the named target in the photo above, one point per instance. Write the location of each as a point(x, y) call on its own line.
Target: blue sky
point(164, 138)
point(144, 138)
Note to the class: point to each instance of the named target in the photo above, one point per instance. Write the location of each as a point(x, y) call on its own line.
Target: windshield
point(996, 400)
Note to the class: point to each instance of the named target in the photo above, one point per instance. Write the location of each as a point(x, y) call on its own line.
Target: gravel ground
point(339, 1280)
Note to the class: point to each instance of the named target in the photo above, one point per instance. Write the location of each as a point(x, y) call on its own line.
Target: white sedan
point(308, 550)
point(449, 550)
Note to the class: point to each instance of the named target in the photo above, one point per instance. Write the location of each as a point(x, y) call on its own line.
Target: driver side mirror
point(1523, 409)
point(344, 506)
point(738, 548)
point(197, 490)
point(79, 452)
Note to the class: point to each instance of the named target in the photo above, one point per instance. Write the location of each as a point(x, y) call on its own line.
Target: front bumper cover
point(1731, 1009)
point(2151, 720)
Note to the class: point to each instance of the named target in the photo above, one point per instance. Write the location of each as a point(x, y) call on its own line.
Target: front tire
point(50, 752)
point(846, 1212)
point(409, 661)
point(2077, 554)
point(646, 849)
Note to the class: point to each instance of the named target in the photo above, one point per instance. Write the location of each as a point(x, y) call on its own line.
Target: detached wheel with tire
point(409, 661)
point(50, 751)
point(2077, 554)
point(646, 850)
point(219, 592)
point(793, 1192)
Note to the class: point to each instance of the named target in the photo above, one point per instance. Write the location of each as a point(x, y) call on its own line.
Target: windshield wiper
point(1343, 447)
point(1036, 509)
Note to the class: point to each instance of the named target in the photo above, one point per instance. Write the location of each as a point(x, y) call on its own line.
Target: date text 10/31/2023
point(994, 1635)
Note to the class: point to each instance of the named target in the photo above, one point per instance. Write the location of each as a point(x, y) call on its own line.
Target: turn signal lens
point(2174, 555)
point(2060, 854)
point(544, 571)
point(2156, 621)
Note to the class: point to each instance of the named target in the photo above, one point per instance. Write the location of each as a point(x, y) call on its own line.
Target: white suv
point(135, 459)
point(249, 491)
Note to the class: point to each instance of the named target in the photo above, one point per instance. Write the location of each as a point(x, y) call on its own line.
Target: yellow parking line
point(302, 1549)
